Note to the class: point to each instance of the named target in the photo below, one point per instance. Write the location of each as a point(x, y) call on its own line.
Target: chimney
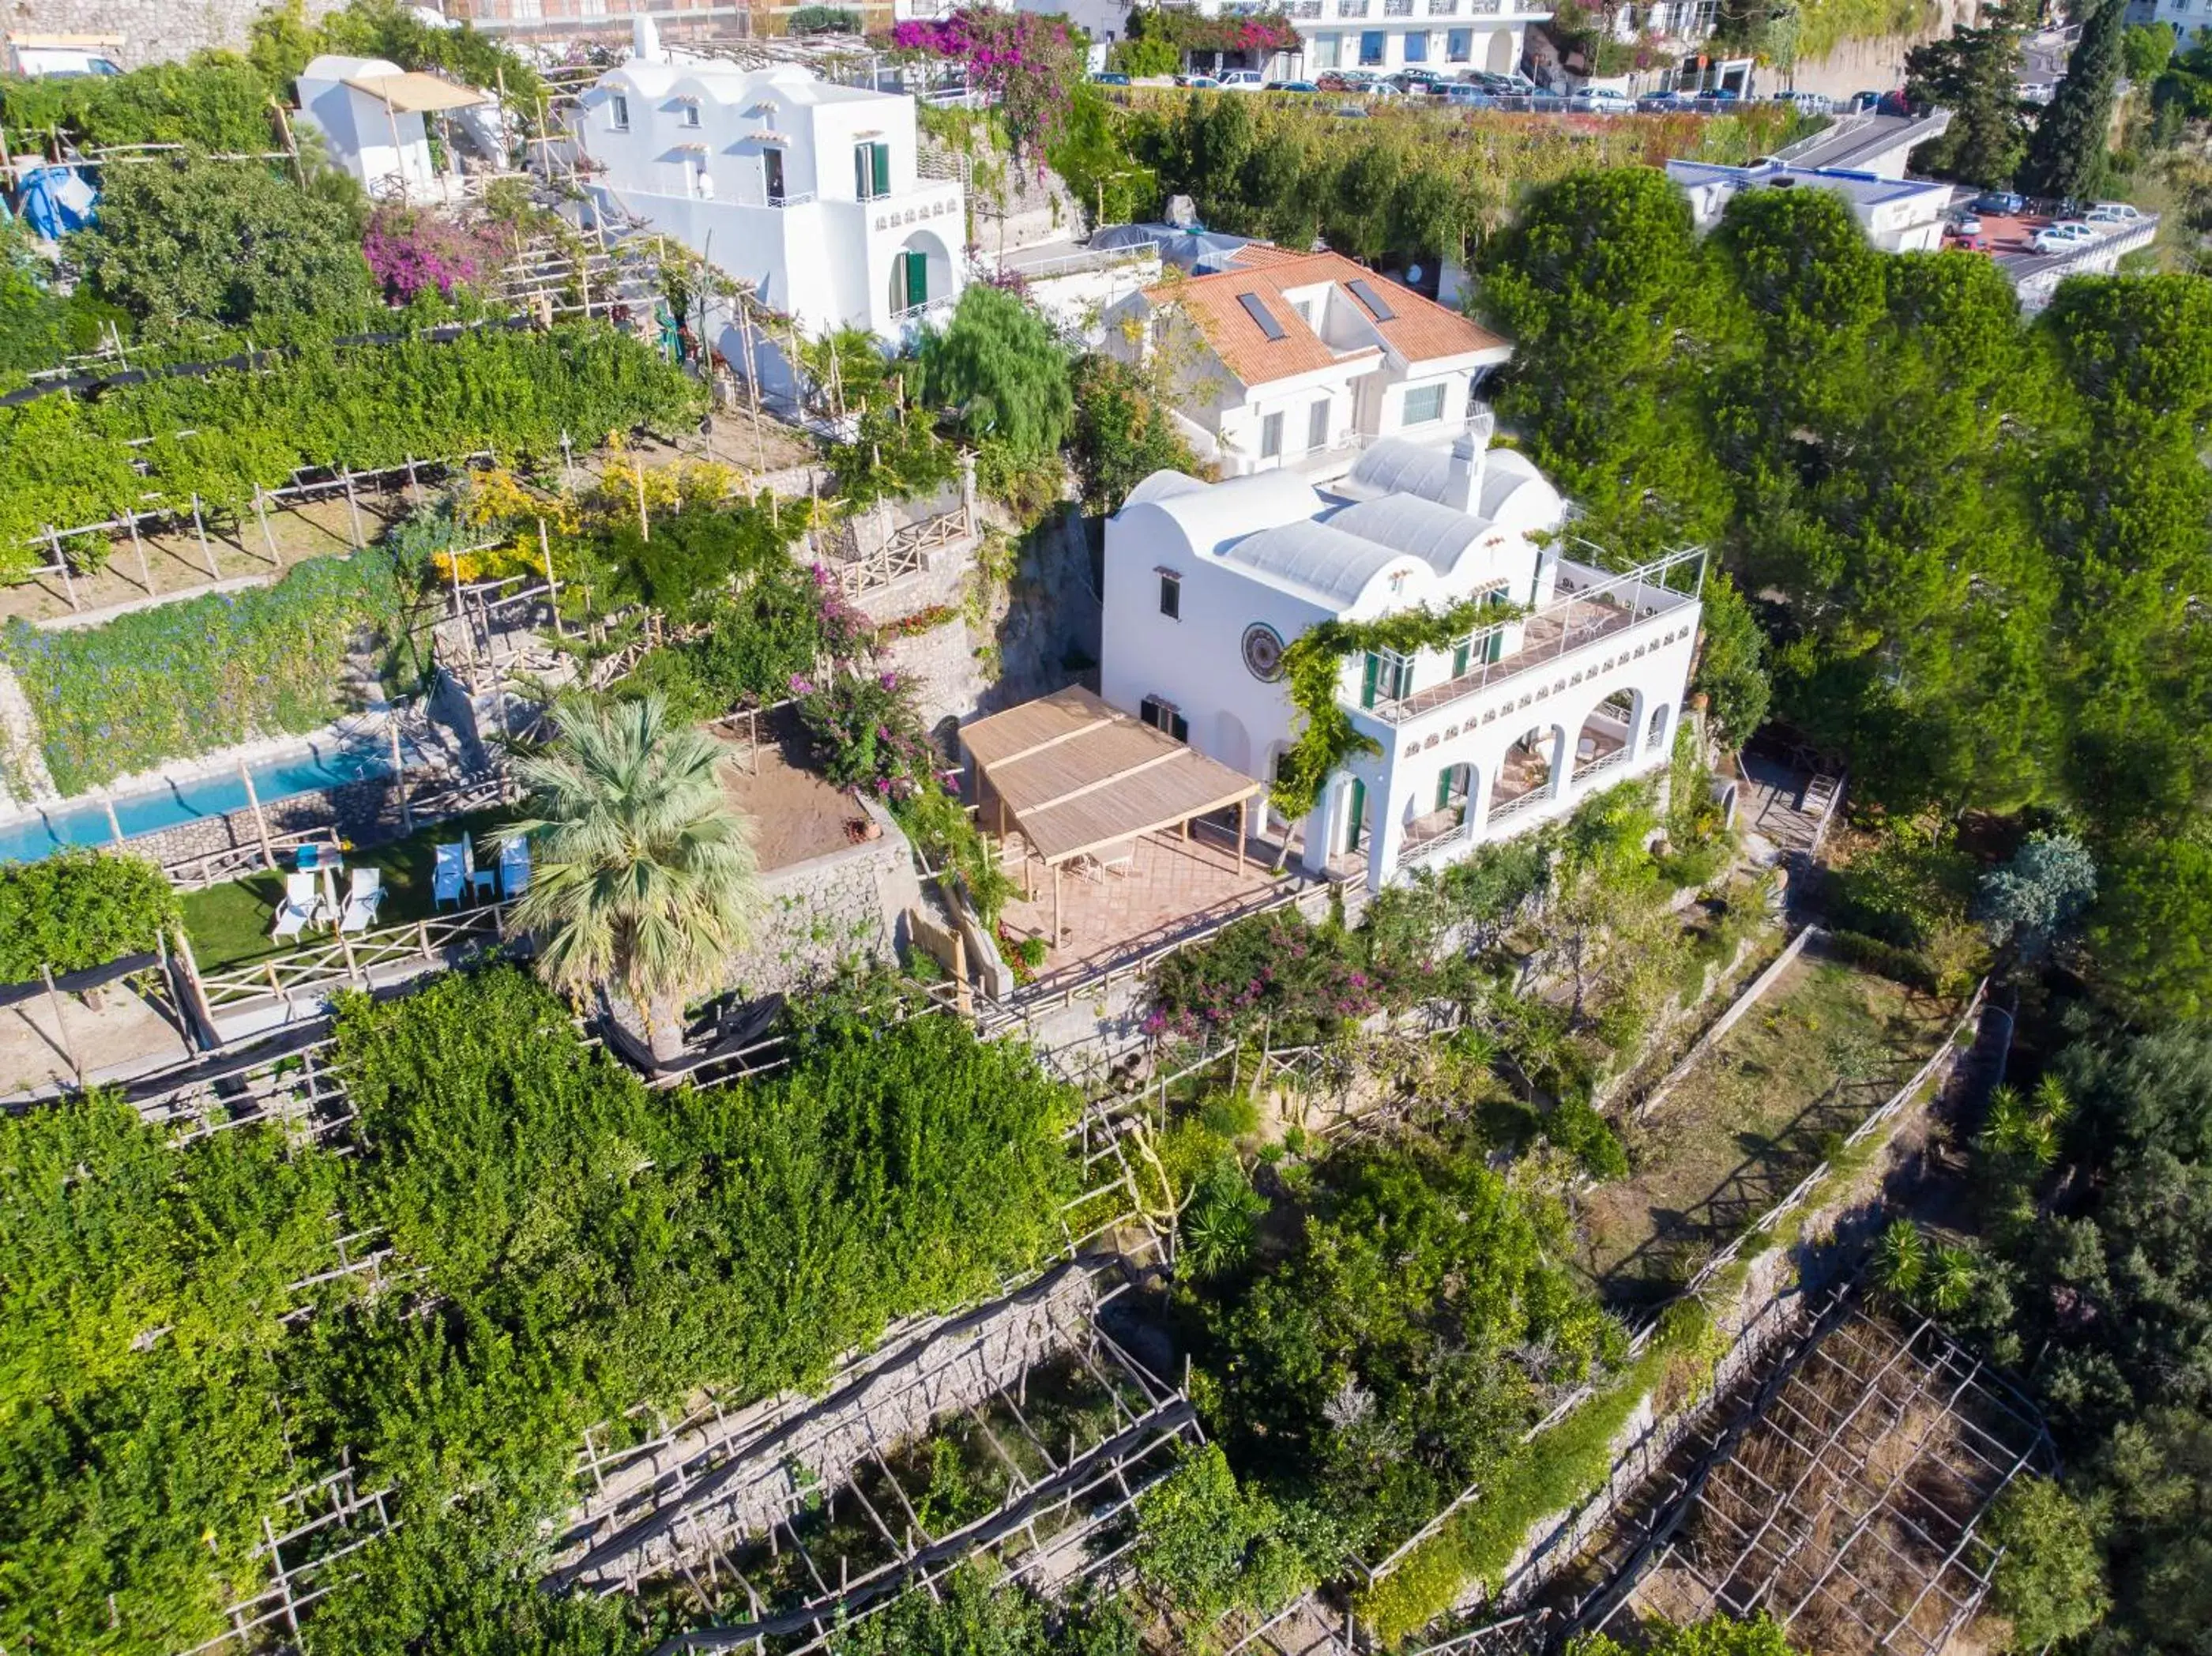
point(1470, 453)
point(645, 40)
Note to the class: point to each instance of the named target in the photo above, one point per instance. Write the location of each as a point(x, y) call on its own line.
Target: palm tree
point(644, 879)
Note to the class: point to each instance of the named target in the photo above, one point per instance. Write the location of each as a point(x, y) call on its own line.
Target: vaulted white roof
point(1315, 560)
point(1407, 523)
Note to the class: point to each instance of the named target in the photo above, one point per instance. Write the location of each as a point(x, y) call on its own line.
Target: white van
point(61, 56)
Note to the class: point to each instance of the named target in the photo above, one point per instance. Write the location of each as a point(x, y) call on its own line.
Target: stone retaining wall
point(848, 904)
point(153, 31)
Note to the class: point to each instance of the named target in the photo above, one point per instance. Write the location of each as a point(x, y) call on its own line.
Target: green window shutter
point(1496, 651)
point(1367, 675)
point(1444, 789)
point(1460, 654)
point(1356, 830)
point(880, 163)
point(861, 172)
point(917, 279)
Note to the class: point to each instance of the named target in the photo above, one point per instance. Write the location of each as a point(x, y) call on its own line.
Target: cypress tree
point(2066, 158)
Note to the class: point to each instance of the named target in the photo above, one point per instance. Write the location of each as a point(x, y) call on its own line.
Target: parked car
point(1292, 86)
point(2037, 92)
point(1663, 103)
point(1600, 101)
point(1198, 82)
point(1971, 241)
point(2002, 202)
point(1464, 94)
point(2063, 237)
point(1863, 100)
point(1720, 94)
point(1243, 80)
point(1109, 77)
point(2112, 212)
point(1807, 103)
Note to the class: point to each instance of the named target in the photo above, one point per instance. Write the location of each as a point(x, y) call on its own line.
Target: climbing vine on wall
point(1313, 668)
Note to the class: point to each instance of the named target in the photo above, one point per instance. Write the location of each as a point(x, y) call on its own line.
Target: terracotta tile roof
point(1420, 329)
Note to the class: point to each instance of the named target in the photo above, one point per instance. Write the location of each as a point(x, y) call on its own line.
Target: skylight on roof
point(1374, 300)
point(1254, 308)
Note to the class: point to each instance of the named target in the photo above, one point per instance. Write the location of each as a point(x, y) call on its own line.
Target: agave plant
point(644, 879)
point(1901, 1258)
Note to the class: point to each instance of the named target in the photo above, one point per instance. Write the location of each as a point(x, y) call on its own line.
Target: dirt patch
point(794, 813)
point(1828, 1045)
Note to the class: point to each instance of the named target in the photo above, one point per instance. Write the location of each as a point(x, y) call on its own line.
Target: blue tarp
point(55, 200)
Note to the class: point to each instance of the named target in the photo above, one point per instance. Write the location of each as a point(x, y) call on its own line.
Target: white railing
point(916, 312)
point(793, 198)
point(1520, 805)
point(1625, 600)
point(1620, 756)
point(1412, 850)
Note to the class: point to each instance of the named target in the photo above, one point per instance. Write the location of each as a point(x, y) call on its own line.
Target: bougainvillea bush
point(1027, 65)
point(1273, 968)
point(410, 251)
point(1187, 31)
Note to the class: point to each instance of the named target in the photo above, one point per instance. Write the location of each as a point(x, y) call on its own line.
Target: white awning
point(417, 93)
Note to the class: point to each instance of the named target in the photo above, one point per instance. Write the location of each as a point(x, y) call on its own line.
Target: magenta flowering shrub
point(1025, 63)
point(1187, 31)
point(866, 735)
point(410, 250)
point(1300, 980)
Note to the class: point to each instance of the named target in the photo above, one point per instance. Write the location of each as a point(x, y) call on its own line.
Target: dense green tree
point(2050, 1583)
point(2127, 509)
point(2151, 930)
point(1731, 671)
point(1123, 434)
point(1974, 72)
point(2068, 156)
point(2145, 50)
point(997, 365)
point(1609, 299)
point(233, 243)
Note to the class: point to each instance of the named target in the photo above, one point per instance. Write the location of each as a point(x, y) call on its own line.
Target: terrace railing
point(419, 944)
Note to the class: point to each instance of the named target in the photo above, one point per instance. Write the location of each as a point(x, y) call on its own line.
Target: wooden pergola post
point(399, 782)
point(1243, 827)
point(260, 822)
point(353, 511)
point(1055, 904)
point(114, 826)
point(60, 1025)
point(138, 545)
point(261, 511)
point(69, 586)
point(199, 528)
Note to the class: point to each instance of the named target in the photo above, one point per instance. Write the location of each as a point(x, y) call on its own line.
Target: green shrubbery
point(64, 462)
point(182, 679)
point(77, 910)
point(586, 1244)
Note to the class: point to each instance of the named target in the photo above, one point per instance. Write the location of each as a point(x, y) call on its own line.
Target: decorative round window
point(1263, 652)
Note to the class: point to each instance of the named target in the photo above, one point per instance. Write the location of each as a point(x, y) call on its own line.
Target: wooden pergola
point(1078, 777)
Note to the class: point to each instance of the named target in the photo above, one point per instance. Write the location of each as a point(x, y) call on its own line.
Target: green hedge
point(77, 910)
point(1902, 965)
point(584, 1244)
point(64, 462)
point(183, 679)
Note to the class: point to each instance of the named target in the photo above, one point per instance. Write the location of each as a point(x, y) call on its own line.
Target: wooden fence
point(417, 945)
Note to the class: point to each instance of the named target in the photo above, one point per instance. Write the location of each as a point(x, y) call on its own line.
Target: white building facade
point(1206, 585)
point(815, 193)
point(1448, 36)
point(1299, 360)
point(371, 116)
point(1900, 216)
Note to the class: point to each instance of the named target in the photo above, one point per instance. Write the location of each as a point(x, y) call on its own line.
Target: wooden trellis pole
point(138, 545)
point(199, 528)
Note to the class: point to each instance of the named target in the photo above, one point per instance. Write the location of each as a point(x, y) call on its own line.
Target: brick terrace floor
point(1171, 888)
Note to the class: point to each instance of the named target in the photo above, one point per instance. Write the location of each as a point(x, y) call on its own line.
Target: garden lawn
point(229, 923)
point(1827, 1045)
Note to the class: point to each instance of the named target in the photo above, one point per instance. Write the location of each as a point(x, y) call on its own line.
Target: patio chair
point(449, 881)
point(513, 869)
point(301, 907)
point(363, 896)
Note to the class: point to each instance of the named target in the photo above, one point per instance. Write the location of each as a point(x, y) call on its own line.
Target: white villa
point(812, 191)
point(1297, 359)
point(1445, 35)
point(1206, 583)
point(371, 116)
point(1900, 216)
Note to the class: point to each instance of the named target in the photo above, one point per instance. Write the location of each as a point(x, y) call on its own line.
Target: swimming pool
point(323, 763)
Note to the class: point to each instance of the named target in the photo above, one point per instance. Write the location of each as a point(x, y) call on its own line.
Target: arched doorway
point(1501, 53)
point(1606, 738)
point(921, 272)
point(1661, 732)
point(1231, 745)
point(1529, 771)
